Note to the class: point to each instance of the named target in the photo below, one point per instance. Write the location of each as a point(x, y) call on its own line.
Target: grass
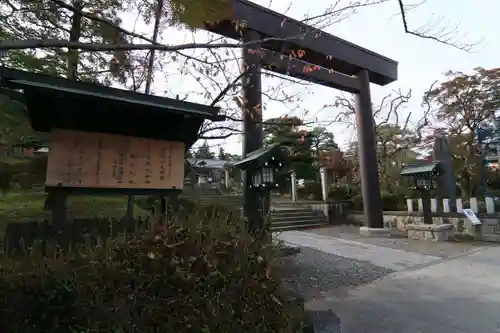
point(20, 206)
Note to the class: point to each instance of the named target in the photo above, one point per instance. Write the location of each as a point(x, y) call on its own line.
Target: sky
point(378, 28)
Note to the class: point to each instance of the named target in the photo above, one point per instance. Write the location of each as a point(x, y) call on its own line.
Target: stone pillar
point(420, 205)
point(490, 205)
point(434, 205)
point(324, 191)
point(409, 204)
point(474, 206)
point(226, 178)
point(446, 205)
point(293, 177)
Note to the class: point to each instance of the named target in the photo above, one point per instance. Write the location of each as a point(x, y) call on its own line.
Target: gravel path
point(312, 273)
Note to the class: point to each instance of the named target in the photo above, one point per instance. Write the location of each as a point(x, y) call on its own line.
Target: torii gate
point(323, 59)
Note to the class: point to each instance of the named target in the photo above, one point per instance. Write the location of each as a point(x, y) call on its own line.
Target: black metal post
point(370, 183)
point(252, 127)
point(426, 206)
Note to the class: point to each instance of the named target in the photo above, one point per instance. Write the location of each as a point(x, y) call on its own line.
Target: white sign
point(472, 217)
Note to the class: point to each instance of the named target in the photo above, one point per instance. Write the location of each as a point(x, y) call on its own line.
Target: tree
point(77, 21)
point(394, 149)
point(203, 152)
point(222, 155)
point(15, 128)
point(188, 13)
point(85, 40)
point(323, 145)
point(463, 103)
point(100, 49)
point(396, 137)
point(323, 140)
point(296, 141)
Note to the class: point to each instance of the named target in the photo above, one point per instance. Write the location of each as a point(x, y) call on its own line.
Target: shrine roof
point(207, 163)
point(428, 168)
point(258, 155)
point(62, 103)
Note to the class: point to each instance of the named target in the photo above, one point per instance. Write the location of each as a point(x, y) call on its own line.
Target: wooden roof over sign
point(62, 103)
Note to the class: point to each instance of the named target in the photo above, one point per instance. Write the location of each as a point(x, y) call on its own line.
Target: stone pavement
point(432, 294)
point(439, 249)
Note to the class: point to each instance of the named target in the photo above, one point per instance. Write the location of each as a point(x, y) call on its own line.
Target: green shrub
point(344, 192)
point(390, 202)
point(148, 203)
point(357, 202)
point(5, 177)
point(218, 211)
point(206, 276)
point(310, 191)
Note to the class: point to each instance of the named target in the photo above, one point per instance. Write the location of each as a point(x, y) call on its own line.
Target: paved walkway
point(426, 293)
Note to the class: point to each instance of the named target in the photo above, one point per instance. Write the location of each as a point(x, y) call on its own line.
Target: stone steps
point(217, 199)
point(283, 218)
point(286, 219)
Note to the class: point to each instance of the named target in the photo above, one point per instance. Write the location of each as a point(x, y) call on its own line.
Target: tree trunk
point(56, 200)
point(130, 204)
point(74, 36)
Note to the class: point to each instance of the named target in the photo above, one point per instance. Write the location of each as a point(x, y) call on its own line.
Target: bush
point(310, 191)
point(148, 203)
point(206, 276)
point(5, 177)
point(390, 202)
point(357, 202)
point(345, 192)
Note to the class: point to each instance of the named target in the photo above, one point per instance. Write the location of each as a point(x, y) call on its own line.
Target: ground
point(397, 285)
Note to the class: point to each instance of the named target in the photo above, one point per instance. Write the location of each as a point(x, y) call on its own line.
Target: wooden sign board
point(96, 160)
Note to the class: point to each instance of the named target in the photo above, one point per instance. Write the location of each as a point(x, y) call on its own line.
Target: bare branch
point(57, 43)
point(227, 88)
point(433, 32)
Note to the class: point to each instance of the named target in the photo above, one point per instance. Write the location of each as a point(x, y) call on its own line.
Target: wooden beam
point(313, 73)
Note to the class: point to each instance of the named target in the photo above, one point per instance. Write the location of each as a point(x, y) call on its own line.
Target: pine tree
point(222, 154)
point(77, 21)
